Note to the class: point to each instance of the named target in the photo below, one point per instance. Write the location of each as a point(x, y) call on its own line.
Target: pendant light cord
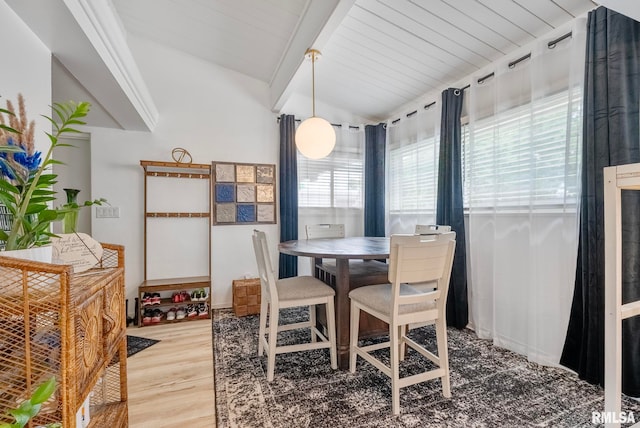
point(313, 55)
point(313, 83)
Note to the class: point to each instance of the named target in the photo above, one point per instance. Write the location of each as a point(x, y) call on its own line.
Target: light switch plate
point(107, 212)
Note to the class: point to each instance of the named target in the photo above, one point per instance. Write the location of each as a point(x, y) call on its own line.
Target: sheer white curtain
point(522, 154)
point(412, 170)
point(331, 190)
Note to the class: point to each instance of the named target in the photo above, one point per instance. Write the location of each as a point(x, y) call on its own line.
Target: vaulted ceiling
point(380, 55)
point(377, 55)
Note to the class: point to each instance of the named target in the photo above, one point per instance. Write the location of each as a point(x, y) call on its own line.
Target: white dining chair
point(413, 259)
point(318, 231)
point(287, 293)
point(324, 231)
point(431, 229)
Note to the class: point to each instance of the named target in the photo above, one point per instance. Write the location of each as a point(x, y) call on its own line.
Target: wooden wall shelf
point(188, 215)
point(163, 166)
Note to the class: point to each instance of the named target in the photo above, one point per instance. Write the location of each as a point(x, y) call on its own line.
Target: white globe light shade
point(315, 138)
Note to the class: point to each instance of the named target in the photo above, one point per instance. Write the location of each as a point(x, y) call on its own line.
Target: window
point(522, 157)
point(413, 177)
point(332, 182)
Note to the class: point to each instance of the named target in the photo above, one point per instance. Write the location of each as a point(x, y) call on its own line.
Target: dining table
point(359, 261)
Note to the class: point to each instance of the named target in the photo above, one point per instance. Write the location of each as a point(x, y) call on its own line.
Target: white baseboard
point(222, 305)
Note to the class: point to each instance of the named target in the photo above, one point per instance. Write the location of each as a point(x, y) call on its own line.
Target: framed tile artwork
point(243, 193)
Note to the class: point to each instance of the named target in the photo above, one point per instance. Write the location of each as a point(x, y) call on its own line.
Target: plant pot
point(70, 221)
point(36, 254)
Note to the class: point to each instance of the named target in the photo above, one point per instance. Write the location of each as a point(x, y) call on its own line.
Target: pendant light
point(315, 137)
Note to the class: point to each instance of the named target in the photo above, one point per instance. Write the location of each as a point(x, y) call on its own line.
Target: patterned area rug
point(491, 387)
point(136, 344)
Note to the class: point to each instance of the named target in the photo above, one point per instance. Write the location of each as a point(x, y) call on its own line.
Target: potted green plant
point(26, 183)
point(30, 407)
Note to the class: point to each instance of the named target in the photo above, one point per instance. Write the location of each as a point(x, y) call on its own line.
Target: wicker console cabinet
point(71, 326)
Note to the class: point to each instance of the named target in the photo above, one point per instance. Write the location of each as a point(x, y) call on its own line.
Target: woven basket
point(246, 297)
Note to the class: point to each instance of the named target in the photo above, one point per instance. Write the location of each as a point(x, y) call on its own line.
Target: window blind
point(332, 182)
point(413, 174)
point(522, 156)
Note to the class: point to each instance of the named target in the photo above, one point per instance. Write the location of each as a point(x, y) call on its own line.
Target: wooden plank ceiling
point(382, 55)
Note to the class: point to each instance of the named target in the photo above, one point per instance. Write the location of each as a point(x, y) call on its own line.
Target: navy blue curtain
point(450, 210)
point(288, 265)
point(610, 137)
point(374, 177)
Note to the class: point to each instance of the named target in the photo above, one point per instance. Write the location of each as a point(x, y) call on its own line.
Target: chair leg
point(272, 342)
point(264, 307)
point(394, 350)
point(402, 331)
point(331, 326)
point(312, 321)
point(353, 340)
point(443, 355)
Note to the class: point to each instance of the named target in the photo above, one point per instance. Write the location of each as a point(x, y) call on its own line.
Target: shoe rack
point(166, 289)
point(161, 292)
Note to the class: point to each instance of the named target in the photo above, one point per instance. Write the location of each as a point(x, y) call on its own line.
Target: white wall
point(74, 174)
point(26, 69)
point(217, 115)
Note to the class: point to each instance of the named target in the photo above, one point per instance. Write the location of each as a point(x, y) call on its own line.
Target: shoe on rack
point(192, 311)
point(157, 316)
point(203, 310)
point(171, 315)
point(155, 299)
point(146, 318)
point(146, 299)
point(185, 296)
point(176, 298)
point(180, 313)
point(199, 295)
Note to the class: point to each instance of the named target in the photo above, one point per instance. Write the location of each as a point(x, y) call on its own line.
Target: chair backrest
point(421, 259)
point(265, 271)
point(431, 229)
point(317, 231)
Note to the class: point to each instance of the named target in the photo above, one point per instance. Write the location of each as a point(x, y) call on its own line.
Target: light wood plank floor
point(171, 383)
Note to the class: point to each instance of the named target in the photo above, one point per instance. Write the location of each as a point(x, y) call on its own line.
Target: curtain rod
point(519, 60)
point(426, 107)
point(552, 44)
point(332, 124)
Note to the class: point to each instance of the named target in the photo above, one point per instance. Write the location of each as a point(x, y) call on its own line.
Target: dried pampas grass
point(20, 123)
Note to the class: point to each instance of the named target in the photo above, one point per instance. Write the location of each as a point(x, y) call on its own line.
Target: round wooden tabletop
point(362, 247)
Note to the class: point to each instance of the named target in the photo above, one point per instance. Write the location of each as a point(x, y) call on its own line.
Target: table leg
point(343, 310)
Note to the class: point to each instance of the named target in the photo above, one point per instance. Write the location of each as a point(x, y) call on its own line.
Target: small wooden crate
point(246, 296)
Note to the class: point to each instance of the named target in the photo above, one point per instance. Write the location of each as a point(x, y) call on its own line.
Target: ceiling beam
point(88, 41)
point(317, 23)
